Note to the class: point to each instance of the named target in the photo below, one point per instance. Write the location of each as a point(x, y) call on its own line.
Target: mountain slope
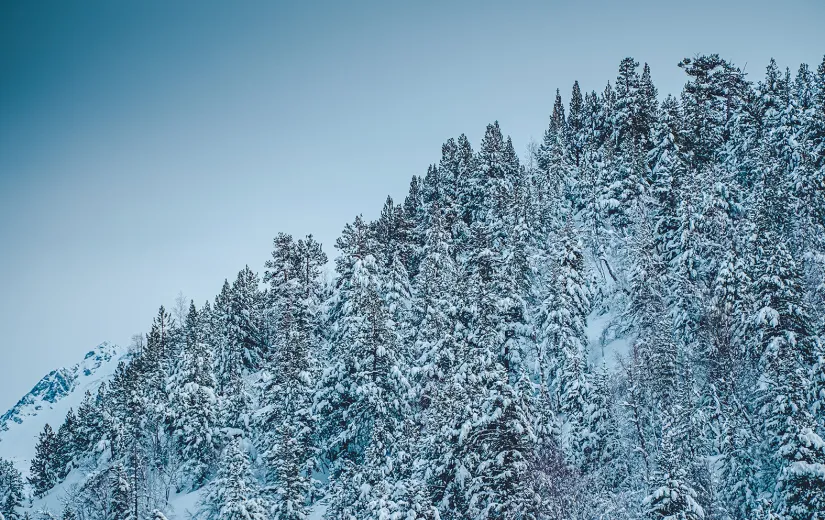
point(50, 400)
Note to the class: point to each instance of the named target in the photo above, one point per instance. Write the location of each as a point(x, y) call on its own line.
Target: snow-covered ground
point(605, 345)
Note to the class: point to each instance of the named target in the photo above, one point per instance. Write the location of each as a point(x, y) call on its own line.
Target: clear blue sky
point(150, 147)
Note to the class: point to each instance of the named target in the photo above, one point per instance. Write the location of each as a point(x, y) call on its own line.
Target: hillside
point(625, 323)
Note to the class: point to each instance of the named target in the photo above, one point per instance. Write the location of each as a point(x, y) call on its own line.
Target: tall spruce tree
point(294, 277)
point(44, 472)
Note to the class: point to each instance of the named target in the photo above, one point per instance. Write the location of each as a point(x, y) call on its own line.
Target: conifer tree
point(194, 406)
point(122, 495)
point(11, 490)
point(44, 471)
point(564, 326)
point(554, 164)
point(600, 449)
point(68, 513)
point(576, 125)
point(66, 444)
point(672, 496)
point(646, 114)
point(294, 277)
point(228, 356)
point(244, 332)
point(89, 429)
point(362, 393)
point(233, 494)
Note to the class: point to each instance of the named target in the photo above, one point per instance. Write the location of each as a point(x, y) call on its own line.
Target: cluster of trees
point(11, 490)
point(449, 369)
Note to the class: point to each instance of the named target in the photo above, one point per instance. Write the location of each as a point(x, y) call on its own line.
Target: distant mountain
point(50, 400)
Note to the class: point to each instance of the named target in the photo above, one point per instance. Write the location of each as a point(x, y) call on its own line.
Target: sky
point(154, 147)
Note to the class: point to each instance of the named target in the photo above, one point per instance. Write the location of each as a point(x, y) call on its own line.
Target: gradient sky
point(153, 147)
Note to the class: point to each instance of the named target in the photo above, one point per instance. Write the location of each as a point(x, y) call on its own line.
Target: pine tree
point(44, 471)
point(410, 227)
point(147, 394)
point(576, 125)
point(228, 356)
point(233, 494)
point(11, 490)
point(646, 113)
point(194, 406)
point(244, 321)
point(554, 164)
point(294, 277)
point(364, 387)
point(710, 100)
point(435, 342)
point(563, 344)
point(625, 107)
point(66, 444)
point(672, 496)
point(89, 429)
point(235, 405)
point(600, 435)
point(122, 495)
point(464, 181)
point(134, 431)
point(68, 513)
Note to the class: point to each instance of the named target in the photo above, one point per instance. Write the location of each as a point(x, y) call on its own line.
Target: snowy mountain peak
point(50, 399)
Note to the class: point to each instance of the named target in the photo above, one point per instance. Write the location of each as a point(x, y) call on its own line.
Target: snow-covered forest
point(625, 322)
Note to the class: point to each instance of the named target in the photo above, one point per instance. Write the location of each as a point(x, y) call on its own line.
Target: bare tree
point(137, 345)
point(180, 309)
point(532, 152)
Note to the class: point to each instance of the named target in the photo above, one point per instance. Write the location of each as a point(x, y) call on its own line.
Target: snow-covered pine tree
point(66, 443)
point(410, 227)
point(647, 110)
point(43, 474)
point(89, 428)
point(11, 490)
point(624, 178)
point(672, 497)
point(147, 394)
point(576, 125)
point(600, 442)
point(133, 434)
point(435, 342)
point(194, 407)
point(122, 495)
point(496, 442)
point(463, 173)
point(227, 354)
point(363, 389)
point(288, 421)
point(554, 164)
point(587, 200)
point(562, 341)
point(233, 494)
point(245, 332)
